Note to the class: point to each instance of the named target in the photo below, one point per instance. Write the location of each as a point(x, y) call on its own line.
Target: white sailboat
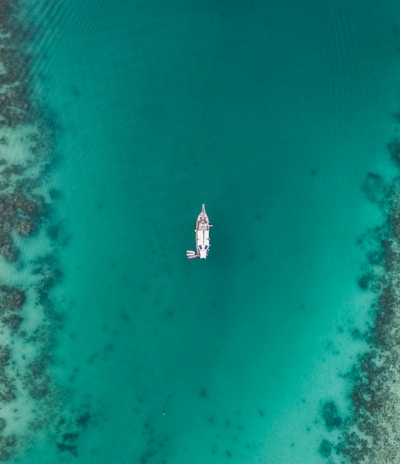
point(202, 232)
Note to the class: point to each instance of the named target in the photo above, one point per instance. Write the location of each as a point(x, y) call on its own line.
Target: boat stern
point(202, 254)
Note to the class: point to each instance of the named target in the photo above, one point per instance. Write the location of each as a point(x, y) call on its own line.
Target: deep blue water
point(270, 113)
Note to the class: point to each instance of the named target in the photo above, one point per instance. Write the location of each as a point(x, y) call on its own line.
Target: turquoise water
point(271, 114)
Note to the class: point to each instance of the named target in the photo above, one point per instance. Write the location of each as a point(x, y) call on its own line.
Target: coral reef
point(371, 432)
point(25, 143)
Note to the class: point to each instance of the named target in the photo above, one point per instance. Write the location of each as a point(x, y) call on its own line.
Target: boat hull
point(202, 232)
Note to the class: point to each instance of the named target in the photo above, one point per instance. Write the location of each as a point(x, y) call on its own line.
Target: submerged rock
point(13, 321)
point(5, 355)
point(7, 387)
point(375, 188)
point(394, 150)
point(7, 446)
point(11, 298)
point(25, 228)
point(325, 448)
point(37, 380)
point(17, 210)
point(331, 416)
point(71, 448)
point(364, 281)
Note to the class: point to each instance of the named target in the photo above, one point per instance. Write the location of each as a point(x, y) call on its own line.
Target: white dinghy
point(202, 232)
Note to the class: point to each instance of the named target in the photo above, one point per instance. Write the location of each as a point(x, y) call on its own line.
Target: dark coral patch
point(375, 188)
point(203, 393)
point(7, 446)
point(330, 415)
point(394, 149)
point(13, 321)
point(325, 448)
